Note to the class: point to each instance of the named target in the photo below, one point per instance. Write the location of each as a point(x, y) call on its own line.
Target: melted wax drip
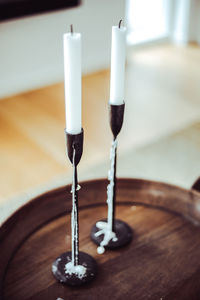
point(72, 267)
point(74, 219)
point(105, 228)
point(79, 270)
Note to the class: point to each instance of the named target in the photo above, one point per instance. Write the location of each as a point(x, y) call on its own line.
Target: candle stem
point(112, 186)
point(71, 29)
point(74, 215)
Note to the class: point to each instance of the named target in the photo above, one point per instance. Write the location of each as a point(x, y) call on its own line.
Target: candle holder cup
point(112, 233)
point(74, 268)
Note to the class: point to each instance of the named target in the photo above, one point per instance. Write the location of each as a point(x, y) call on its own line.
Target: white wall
point(186, 21)
point(147, 20)
point(180, 28)
point(31, 53)
point(194, 28)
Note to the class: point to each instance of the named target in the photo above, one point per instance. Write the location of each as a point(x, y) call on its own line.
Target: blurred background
point(160, 138)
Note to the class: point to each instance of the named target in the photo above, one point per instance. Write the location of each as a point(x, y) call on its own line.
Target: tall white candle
point(72, 80)
point(118, 55)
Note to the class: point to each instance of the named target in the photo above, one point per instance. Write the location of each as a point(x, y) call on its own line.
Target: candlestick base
point(66, 273)
point(123, 235)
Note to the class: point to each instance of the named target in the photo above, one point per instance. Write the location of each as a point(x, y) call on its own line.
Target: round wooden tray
point(162, 261)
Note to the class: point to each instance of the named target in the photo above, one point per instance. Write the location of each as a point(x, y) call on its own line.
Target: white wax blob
point(100, 250)
point(55, 266)
point(78, 270)
point(105, 228)
point(108, 235)
point(54, 269)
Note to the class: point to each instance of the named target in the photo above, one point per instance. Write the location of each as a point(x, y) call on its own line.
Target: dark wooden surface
point(162, 261)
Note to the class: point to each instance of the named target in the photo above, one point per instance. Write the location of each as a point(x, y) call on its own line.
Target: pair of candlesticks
point(76, 268)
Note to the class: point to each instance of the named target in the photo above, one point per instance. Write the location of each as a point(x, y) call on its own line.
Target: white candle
point(118, 55)
point(72, 81)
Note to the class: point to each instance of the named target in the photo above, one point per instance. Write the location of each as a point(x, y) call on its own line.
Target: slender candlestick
point(112, 233)
point(72, 80)
point(111, 189)
point(73, 267)
point(118, 54)
point(74, 215)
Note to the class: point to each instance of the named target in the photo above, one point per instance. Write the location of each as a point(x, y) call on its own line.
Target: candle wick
point(71, 29)
point(120, 23)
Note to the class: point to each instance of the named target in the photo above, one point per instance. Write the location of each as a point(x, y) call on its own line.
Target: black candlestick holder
point(112, 233)
point(75, 267)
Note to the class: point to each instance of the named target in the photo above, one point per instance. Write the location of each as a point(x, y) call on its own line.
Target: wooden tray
point(162, 261)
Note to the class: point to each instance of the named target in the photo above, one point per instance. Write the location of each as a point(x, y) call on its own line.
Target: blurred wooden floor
point(162, 96)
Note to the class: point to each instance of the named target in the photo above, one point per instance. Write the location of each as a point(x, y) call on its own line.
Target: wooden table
point(161, 262)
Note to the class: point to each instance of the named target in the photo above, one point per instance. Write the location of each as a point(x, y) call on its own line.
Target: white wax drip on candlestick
point(73, 267)
point(74, 220)
point(79, 270)
point(110, 186)
point(105, 228)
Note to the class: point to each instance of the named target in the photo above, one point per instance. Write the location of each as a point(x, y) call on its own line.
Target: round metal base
point(123, 231)
point(77, 277)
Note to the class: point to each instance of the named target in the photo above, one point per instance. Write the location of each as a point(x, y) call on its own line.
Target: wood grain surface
point(162, 261)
